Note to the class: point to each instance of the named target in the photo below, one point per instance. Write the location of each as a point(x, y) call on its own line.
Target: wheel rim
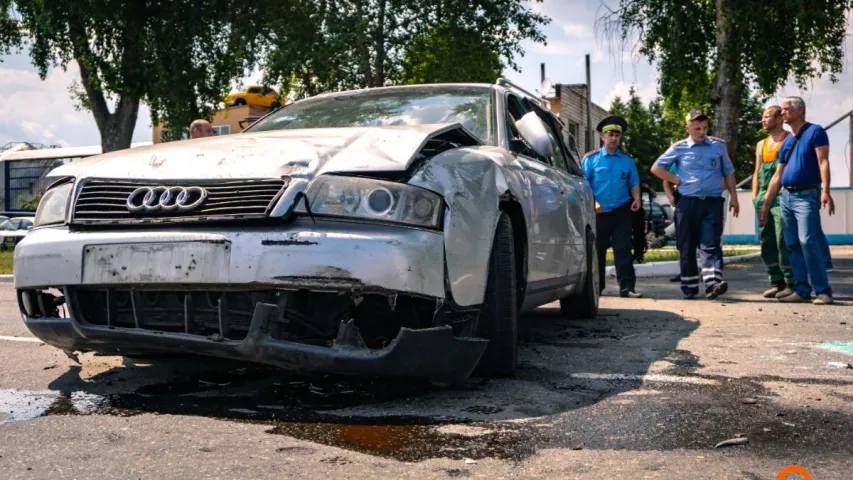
point(595, 281)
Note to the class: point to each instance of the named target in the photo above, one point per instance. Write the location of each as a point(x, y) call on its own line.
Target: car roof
point(437, 86)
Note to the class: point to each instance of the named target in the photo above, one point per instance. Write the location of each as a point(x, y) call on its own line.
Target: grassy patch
point(6, 261)
point(672, 255)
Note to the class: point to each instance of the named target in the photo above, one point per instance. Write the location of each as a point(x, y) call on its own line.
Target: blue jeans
point(801, 228)
point(824, 248)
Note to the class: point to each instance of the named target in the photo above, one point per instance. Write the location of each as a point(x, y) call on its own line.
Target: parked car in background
point(13, 230)
point(257, 95)
point(658, 219)
point(393, 231)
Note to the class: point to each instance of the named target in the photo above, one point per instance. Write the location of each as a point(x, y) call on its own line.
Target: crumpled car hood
point(297, 153)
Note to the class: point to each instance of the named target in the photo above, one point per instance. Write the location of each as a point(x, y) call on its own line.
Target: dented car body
point(351, 233)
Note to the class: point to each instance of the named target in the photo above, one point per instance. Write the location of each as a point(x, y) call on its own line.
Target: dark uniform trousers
point(699, 222)
point(638, 228)
point(613, 229)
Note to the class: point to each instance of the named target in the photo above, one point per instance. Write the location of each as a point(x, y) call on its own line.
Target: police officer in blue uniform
point(703, 163)
point(616, 185)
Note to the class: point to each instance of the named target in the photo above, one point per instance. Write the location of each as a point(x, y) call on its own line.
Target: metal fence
point(24, 180)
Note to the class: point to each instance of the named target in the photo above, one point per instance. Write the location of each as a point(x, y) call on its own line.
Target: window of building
point(222, 129)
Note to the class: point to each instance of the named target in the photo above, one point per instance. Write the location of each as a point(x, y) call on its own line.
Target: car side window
point(517, 144)
point(558, 159)
point(254, 90)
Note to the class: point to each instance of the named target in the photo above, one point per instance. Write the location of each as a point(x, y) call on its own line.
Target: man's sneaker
point(793, 298)
point(630, 294)
point(823, 299)
point(771, 293)
point(717, 290)
point(789, 290)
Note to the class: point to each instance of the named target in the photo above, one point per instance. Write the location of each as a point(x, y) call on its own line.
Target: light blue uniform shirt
point(701, 166)
point(611, 176)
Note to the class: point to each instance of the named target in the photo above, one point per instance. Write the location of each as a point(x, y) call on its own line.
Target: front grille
point(104, 202)
point(205, 313)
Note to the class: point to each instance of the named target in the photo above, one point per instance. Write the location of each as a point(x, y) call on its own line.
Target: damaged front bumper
point(324, 297)
point(433, 353)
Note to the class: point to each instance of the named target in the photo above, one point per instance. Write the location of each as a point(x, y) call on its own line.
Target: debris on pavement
point(469, 461)
point(733, 442)
point(749, 401)
point(840, 365)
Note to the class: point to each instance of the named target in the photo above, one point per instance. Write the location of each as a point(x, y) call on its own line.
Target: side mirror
point(531, 129)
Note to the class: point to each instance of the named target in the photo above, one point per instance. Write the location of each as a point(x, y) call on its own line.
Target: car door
point(254, 97)
point(572, 190)
point(548, 229)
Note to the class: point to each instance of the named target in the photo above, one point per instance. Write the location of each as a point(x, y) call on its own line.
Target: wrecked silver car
point(394, 231)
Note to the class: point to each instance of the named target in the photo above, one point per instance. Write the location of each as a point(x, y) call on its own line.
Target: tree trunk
point(728, 81)
point(116, 128)
point(379, 45)
point(361, 45)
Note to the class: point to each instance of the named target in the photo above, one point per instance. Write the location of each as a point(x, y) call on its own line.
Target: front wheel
point(498, 322)
point(585, 304)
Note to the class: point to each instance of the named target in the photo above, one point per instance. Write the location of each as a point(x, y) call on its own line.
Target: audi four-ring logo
point(165, 199)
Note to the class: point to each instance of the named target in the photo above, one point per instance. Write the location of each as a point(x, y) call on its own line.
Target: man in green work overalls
point(773, 250)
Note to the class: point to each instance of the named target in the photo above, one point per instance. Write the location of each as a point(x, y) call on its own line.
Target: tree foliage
point(178, 56)
point(429, 57)
point(723, 49)
point(342, 44)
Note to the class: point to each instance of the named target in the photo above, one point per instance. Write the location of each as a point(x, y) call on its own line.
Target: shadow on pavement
point(563, 365)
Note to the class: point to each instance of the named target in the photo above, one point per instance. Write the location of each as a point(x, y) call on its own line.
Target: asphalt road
point(644, 391)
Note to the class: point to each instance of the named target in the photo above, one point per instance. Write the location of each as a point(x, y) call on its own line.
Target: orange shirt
point(768, 155)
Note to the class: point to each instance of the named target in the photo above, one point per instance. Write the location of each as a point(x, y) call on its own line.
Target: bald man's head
point(200, 128)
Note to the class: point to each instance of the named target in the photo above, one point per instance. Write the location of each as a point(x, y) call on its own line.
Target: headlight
point(53, 207)
point(373, 199)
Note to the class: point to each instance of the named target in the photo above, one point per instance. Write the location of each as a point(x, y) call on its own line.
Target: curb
point(665, 269)
point(7, 278)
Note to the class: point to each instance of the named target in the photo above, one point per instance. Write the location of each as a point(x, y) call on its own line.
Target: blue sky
point(42, 111)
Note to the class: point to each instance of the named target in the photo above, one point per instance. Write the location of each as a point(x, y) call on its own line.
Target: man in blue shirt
point(616, 185)
point(803, 168)
point(703, 163)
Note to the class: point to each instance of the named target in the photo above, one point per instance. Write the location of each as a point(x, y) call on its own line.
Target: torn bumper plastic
point(433, 353)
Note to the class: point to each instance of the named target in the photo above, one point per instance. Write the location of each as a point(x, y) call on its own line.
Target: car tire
point(498, 320)
point(239, 102)
point(585, 304)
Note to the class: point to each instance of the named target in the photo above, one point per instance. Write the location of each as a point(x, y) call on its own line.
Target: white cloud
point(42, 111)
point(577, 30)
point(647, 91)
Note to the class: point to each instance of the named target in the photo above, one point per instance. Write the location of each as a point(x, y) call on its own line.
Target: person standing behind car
point(703, 164)
point(616, 185)
point(638, 224)
point(200, 128)
point(772, 241)
point(803, 169)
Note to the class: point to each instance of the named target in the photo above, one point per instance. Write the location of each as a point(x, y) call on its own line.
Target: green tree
point(429, 56)
point(178, 56)
point(721, 48)
point(340, 44)
point(646, 137)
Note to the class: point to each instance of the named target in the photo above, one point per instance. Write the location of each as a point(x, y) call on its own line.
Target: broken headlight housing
point(371, 199)
point(53, 207)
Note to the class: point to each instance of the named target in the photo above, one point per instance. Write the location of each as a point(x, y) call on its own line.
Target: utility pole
point(542, 76)
point(589, 130)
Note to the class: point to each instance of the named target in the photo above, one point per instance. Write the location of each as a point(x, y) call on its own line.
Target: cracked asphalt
point(646, 390)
